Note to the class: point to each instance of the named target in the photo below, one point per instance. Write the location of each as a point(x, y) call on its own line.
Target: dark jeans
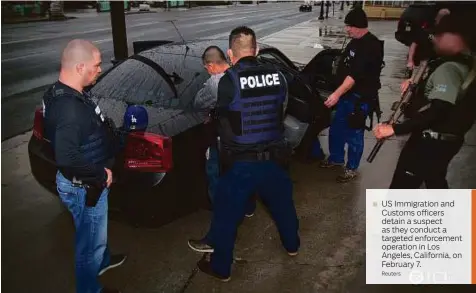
point(213, 173)
point(341, 134)
point(234, 189)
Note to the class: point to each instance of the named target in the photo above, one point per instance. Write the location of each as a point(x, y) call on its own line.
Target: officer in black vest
point(422, 45)
point(438, 128)
point(84, 152)
point(356, 98)
point(250, 109)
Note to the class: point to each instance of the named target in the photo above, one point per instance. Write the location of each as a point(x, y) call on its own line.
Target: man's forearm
point(345, 86)
point(411, 52)
point(422, 120)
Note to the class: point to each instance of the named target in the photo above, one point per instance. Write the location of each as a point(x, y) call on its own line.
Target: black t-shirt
point(362, 60)
point(425, 48)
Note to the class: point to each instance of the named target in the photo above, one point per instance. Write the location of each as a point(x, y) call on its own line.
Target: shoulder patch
point(441, 88)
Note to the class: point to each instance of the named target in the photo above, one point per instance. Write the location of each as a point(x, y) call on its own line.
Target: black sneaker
point(347, 176)
point(116, 260)
point(200, 246)
point(205, 266)
point(106, 290)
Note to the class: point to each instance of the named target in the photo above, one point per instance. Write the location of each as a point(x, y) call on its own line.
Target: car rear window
point(135, 83)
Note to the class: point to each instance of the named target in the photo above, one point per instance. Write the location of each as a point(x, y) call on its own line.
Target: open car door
point(320, 71)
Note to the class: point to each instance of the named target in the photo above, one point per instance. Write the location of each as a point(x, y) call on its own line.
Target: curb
point(37, 20)
point(39, 88)
point(282, 31)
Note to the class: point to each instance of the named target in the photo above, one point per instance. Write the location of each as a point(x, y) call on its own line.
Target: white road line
point(132, 35)
point(130, 26)
point(78, 33)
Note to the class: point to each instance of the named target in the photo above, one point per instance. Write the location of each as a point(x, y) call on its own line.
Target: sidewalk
point(304, 40)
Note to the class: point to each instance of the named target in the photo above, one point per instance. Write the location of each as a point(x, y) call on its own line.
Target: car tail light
point(38, 123)
point(148, 152)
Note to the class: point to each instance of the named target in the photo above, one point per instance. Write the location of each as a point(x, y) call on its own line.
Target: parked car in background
point(160, 174)
point(307, 7)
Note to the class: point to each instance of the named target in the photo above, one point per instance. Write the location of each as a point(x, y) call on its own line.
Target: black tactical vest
point(256, 112)
point(97, 148)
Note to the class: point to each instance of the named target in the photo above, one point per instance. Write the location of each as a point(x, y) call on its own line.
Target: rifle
point(398, 107)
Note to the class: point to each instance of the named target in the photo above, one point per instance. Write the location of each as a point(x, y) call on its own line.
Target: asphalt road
point(31, 51)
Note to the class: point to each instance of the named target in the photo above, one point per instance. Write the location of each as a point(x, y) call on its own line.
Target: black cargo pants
point(424, 160)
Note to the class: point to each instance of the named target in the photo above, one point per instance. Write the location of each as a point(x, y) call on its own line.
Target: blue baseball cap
point(136, 118)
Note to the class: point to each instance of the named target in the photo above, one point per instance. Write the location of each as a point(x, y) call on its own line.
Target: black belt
point(253, 156)
point(428, 134)
point(76, 182)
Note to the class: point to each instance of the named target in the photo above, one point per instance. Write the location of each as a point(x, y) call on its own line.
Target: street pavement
point(31, 51)
point(37, 232)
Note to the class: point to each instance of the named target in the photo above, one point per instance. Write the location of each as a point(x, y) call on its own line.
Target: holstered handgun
point(93, 193)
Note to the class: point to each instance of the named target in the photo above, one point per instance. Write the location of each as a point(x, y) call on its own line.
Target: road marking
point(56, 36)
point(256, 28)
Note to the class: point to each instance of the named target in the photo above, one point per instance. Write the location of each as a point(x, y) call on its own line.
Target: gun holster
point(356, 119)
point(93, 193)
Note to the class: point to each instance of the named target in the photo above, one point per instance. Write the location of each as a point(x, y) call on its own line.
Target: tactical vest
point(372, 79)
point(97, 147)
point(459, 120)
point(256, 111)
point(419, 99)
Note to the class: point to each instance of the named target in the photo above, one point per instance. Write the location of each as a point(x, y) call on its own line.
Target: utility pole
point(327, 9)
point(341, 5)
point(321, 15)
point(119, 36)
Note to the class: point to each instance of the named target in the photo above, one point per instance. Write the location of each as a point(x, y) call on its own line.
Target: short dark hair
point(213, 54)
point(242, 38)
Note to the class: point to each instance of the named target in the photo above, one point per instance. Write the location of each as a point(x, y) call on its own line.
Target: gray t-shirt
point(445, 82)
point(206, 97)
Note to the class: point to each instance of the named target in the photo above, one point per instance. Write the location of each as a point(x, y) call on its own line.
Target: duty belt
point(441, 136)
point(253, 156)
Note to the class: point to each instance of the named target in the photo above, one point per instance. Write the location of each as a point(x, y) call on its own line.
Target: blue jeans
point(213, 173)
point(91, 250)
point(340, 134)
point(234, 190)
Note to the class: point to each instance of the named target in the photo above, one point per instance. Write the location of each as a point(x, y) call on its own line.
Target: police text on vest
point(259, 80)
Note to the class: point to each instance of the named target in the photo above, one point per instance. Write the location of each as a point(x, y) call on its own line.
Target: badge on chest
point(99, 113)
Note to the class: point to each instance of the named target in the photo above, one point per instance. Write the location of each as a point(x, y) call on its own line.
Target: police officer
point(82, 148)
point(251, 103)
point(438, 128)
point(422, 45)
point(357, 96)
